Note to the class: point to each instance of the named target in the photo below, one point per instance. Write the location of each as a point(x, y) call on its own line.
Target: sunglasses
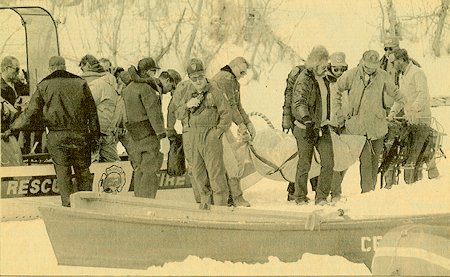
point(338, 69)
point(198, 78)
point(388, 48)
point(16, 69)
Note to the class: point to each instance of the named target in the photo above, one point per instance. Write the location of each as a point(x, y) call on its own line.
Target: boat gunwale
point(327, 225)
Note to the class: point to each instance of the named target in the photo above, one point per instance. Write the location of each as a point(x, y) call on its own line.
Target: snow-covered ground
point(25, 248)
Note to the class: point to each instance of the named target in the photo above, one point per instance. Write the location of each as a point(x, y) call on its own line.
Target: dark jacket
point(8, 93)
point(306, 99)
point(66, 103)
point(143, 103)
point(226, 81)
point(290, 82)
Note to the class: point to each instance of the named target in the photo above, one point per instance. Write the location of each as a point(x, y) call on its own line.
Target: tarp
point(275, 154)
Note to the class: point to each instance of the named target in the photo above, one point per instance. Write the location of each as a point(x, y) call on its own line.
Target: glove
point(242, 129)
point(338, 129)
point(6, 135)
point(171, 134)
point(286, 123)
point(312, 134)
point(341, 120)
point(245, 137)
point(193, 102)
point(251, 129)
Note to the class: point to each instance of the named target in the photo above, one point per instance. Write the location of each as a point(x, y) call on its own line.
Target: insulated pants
point(234, 164)
point(305, 151)
point(207, 165)
point(187, 148)
point(148, 164)
point(413, 168)
point(368, 167)
point(70, 149)
point(336, 185)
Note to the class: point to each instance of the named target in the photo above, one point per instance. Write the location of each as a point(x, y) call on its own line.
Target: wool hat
point(125, 77)
point(391, 42)
point(371, 59)
point(176, 77)
point(147, 64)
point(338, 59)
point(195, 66)
point(88, 59)
point(56, 61)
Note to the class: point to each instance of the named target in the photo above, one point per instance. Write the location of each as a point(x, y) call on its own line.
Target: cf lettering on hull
point(370, 243)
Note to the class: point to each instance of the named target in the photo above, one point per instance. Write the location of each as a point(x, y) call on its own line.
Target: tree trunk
point(392, 17)
point(383, 31)
point(190, 44)
point(439, 28)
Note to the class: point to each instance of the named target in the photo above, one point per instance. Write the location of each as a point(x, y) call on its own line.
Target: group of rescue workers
point(324, 96)
point(86, 116)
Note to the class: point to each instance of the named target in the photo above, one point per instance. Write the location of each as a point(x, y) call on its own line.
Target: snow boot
point(433, 173)
point(234, 186)
point(302, 201)
point(291, 190)
point(240, 202)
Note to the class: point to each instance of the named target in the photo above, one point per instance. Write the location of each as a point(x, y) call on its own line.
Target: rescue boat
point(106, 230)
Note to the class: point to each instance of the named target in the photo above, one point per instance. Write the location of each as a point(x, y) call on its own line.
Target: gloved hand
point(338, 129)
point(6, 135)
point(245, 137)
point(243, 133)
point(251, 129)
point(171, 134)
point(312, 134)
point(341, 120)
point(286, 123)
point(242, 128)
point(193, 102)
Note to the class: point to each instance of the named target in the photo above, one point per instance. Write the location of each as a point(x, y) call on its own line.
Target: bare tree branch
point(169, 44)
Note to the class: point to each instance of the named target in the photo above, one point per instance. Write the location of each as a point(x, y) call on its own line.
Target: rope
point(266, 119)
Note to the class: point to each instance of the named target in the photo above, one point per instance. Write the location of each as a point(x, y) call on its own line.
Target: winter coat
point(334, 120)
point(177, 97)
point(413, 85)
point(8, 113)
point(307, 100)
point(66, 103)
point(393, 76)
point(367, 113)
point(143, 103)
point(290, 82)
point(226, 81)
point(10, 94)
point(103, 87)
point(214, 110)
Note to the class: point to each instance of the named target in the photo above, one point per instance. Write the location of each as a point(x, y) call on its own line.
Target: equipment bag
point(176, 165)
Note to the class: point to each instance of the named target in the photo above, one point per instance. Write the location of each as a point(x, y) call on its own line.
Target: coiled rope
point(266, 119)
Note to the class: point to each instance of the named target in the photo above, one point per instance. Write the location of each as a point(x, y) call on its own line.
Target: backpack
point(288, 119)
